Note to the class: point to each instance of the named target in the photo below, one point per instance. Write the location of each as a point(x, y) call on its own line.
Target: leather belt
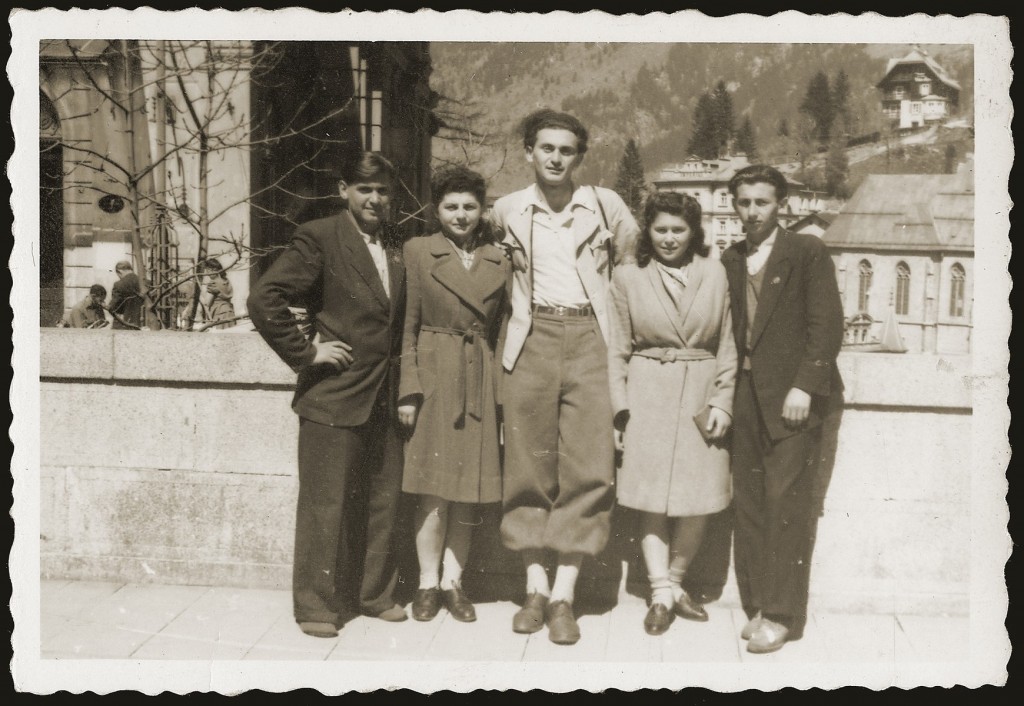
point(469, 381)
point(563, 310)
point(672, 355)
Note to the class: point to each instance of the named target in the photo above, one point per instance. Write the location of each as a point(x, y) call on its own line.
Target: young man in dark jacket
point(350, 277)
point(788, 324)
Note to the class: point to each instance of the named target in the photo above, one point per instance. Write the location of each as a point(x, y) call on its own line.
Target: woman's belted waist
point(672, 355)
point(469, 381)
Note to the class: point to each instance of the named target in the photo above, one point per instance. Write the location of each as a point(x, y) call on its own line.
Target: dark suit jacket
point(328, 268)
point(798, 327)
point(126, 301)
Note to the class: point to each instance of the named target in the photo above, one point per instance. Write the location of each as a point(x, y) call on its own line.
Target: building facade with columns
point(903, 246)
point(707, 180)
point(166, 152)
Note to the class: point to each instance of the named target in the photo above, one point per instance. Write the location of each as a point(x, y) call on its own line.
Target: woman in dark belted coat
point(456, 284)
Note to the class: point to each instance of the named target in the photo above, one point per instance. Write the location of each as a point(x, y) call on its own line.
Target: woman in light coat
point(456, 296)
point(672, 355)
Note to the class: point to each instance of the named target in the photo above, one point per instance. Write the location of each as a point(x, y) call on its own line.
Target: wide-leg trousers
point(558, 484)
point(773, 483)
point(350, 480)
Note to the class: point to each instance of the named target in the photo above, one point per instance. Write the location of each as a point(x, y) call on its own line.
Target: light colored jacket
point(602, 225)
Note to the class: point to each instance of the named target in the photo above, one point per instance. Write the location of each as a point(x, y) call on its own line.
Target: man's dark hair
point(366, 166)
point(457, 180)
point(760, 173)
point(210, 266)
point(98, 290)
point(682, 205)
point(546, 118)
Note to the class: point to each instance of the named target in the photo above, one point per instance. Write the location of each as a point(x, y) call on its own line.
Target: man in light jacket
point(563, 240)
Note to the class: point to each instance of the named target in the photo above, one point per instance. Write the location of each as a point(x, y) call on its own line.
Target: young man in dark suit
point(788, 323)
point(349, 275)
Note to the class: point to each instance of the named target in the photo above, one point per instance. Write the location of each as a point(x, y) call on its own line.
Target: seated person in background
point(126, 298)
point(218, 288)
point(88, 313)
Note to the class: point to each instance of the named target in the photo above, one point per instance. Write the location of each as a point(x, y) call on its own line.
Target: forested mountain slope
point(649, 91)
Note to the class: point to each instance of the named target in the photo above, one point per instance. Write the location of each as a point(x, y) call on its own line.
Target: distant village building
point(903, 246)
point(707, 180)
point(917, 91)
point(814, 223)
point(121, 128)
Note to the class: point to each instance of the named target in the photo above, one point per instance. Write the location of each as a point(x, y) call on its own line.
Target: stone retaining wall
point(170, 457)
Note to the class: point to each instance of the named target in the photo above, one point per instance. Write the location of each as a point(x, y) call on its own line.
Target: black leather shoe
point(659, 617)
point(530, 618)
point(426, 603)
point(459, 606)
point(562, 627)
point(689, 609)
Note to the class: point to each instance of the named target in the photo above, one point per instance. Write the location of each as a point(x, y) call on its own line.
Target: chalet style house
point(916, 91)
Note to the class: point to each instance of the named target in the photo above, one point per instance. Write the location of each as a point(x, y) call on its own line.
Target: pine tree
point(841, 103)
point(702, 140)
point(837, 167)
point(783, 130)
point(817, 104)
point(724, 124)
point(745, 140)
point(630, 183)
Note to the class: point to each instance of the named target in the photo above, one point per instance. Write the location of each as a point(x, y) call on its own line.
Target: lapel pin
point(776, 280)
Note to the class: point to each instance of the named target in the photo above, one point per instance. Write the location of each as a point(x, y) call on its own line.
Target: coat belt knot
point(469, 380)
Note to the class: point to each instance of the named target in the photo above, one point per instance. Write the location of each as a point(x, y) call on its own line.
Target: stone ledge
point(161, 356)
point(76, 353)
point(173, 357)
point(907, 380)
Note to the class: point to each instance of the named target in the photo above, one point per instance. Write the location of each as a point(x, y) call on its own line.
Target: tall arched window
point(865, 285)
point(902, 289)
point(958, 287)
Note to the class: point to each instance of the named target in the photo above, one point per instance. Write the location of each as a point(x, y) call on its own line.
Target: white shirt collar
point(766, 244)
point(581, 196)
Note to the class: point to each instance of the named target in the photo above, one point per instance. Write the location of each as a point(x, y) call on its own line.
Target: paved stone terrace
point(84, 619)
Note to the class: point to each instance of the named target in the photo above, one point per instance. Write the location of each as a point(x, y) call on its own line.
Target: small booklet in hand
point(701, 420)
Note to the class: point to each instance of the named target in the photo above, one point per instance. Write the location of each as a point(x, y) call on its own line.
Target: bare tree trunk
point(129, 49)
point(127, 46)
point(202, 132)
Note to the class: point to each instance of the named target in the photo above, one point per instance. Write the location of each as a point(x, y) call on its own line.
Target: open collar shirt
point(555, 279)
point(758, 255)
point(380, 259)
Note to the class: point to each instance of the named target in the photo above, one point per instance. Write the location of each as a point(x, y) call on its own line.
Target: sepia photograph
point(347, 341)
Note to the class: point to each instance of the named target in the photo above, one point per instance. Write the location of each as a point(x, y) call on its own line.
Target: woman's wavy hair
point(682, 205)
point(461, 180)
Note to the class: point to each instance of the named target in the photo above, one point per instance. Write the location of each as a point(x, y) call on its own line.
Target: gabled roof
point(919, 56)
point(695, 169)
point(907, 212)
point(822, 219)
